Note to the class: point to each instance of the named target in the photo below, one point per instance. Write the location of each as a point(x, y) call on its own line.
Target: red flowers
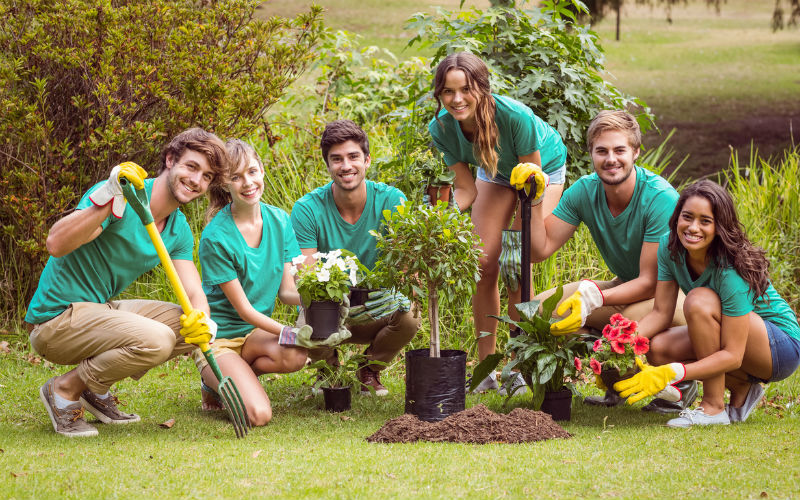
point(619, 345)
point(578, 364)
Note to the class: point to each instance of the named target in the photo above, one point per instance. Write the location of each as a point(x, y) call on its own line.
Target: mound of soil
point(477, 425)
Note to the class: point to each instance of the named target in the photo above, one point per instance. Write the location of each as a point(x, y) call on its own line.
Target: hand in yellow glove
point(598, 381)
point(133, 172)
point(197, 329)
point(650, 381)
point(523, 174)
point(586, 299)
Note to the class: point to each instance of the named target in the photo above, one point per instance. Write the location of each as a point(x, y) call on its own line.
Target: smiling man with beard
point(341, 214)
point(627, 209)
point(96, 252)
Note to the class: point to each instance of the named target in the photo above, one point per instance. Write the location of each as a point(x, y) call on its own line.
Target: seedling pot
point(611, 376)
point(358, 296)
point(435, 387)
point(323, 317)
point(437, 193)
point(558, 404)
point(337, 399)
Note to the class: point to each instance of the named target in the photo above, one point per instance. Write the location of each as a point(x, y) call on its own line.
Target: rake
point(137, 199)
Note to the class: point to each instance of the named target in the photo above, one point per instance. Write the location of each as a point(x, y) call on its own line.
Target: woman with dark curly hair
point(739, 332)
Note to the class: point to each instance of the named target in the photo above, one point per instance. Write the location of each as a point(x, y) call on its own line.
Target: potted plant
point(613, 356)
point(323, 287)
point(338, 379)
point(544, 360)
point(430, 252)
point(430, 166)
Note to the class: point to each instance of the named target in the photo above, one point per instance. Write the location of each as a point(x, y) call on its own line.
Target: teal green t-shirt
point(620, 238)
point(225, 256)
point(318, 224)
point(521, 133)
point(734, 292)
point(104, 267)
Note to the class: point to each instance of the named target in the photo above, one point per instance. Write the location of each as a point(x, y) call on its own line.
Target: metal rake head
point(233, 403)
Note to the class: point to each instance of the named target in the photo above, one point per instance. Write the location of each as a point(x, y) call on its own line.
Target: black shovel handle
point(525, 200)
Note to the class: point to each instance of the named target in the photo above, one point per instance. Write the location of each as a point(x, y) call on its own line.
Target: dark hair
point(341, 131)
point(239, 153)
point(477, 75)
point(730, 246)
point(616, 121)
point(200, 141)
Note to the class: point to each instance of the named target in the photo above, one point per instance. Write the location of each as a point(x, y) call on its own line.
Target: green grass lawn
point(308, 453)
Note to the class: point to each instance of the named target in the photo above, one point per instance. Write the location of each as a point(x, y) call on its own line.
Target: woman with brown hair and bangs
point(473, 126)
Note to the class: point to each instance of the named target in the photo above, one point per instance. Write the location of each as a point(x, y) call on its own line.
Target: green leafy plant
point(541, 57)
point(619, 347)
point(425, 250)
point(329, 278)
point(543, 359)
point(343, 373)
point(430, 166)
point(87, 84)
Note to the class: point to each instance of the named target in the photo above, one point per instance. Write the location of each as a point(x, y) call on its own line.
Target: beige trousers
point(111, 341)
point(600, 316)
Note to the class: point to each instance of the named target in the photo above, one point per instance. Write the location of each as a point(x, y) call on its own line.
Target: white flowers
point(325, 263)
point(329, 277)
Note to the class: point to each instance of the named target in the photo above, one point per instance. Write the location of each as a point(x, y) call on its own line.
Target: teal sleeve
point(661, 209)
point(523, 132)
point(665, 263)
point(568, 208)
point(216, 262)
point(290, 247)
point(734, 293)
point(183, 248)
point(438, 132)
point(304, 226)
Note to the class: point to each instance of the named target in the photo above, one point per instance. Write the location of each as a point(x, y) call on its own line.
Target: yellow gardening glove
point(649, 381)
point(197, 329)
point(598, 381)
point(524, 173)
point(133, 172)
point(586, 299)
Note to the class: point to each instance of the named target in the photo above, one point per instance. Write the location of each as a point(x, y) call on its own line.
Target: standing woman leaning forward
point(495, 133)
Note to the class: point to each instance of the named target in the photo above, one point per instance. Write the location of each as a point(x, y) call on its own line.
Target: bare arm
point(547, 234)
point(464, 183)
point(287, 293)
point(733, 341)
point(308, 252)
point(660, 318)
point(641, 288)
point(190, 278)
point(76, 229)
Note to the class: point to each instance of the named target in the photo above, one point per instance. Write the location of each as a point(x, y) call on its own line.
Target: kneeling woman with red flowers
point(739, 331)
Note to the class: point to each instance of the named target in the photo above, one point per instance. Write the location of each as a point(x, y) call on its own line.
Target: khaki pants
point(386, 338)
point(111, 341)
point(600, 316)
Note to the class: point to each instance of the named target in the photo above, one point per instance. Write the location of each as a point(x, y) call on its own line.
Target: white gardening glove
point(300, 334)
point(586, 299)
point(111, 191)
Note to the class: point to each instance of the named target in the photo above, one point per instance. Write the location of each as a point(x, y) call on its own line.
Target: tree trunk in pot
point(433, 318)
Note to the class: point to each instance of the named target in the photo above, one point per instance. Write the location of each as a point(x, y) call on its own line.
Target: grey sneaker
point(487, 384)
point(105, 409)
point(69, 421)
point(517, 385)
point(754, 395)
point(611, 398)
point(688, 389)
point(697, 416)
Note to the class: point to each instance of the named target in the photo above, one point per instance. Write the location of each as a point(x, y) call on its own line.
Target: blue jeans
point(557, 177)
point(785, 353)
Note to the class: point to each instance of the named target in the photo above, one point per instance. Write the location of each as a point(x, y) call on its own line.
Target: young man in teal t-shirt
point(96, 252)
point(340, 215)
point(626, 209)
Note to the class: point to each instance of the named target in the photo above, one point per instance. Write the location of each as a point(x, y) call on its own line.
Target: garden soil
point(474, 425)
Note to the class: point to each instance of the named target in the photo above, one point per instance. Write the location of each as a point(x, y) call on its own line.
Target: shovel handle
point(525, 200)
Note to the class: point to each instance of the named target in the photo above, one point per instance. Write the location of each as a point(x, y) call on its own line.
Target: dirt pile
point(474, 425)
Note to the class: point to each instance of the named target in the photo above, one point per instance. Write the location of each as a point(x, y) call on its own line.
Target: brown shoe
point(105, 409)
point(68, 421)
point(371, 382)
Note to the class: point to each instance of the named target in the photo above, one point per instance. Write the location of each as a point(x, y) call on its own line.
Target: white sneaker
point(697, 416)
point(487, 384)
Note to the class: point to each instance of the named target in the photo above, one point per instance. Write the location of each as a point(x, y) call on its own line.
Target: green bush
point(86, 84)
point(539, 56)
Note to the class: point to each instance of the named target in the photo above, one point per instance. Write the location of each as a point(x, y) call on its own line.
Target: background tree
point(86, 84)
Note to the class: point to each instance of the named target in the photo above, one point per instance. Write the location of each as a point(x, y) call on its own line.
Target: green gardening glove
point(379, 304)
point(510, 257)
point(651, 380)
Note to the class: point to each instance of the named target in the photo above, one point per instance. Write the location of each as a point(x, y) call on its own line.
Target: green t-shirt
point(225, 255)
point(104, 267)
point(521, 133)
point(620, 238)
point(734, 292)
point(318, 224)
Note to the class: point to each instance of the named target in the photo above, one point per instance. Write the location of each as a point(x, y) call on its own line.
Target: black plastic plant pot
point(435, 387)
point(358, 295)
point(558, 404)
point(336, 398)
point(323, 317)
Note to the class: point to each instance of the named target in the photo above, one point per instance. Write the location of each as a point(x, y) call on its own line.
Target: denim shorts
point(557, 177)
point(785, 353)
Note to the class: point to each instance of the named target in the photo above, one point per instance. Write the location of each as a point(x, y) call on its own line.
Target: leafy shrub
point(539, 56)
point(86, 84)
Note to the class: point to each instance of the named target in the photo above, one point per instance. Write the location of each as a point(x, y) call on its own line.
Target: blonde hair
point(477, 74)
point(616, 121)
point(239, 154)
